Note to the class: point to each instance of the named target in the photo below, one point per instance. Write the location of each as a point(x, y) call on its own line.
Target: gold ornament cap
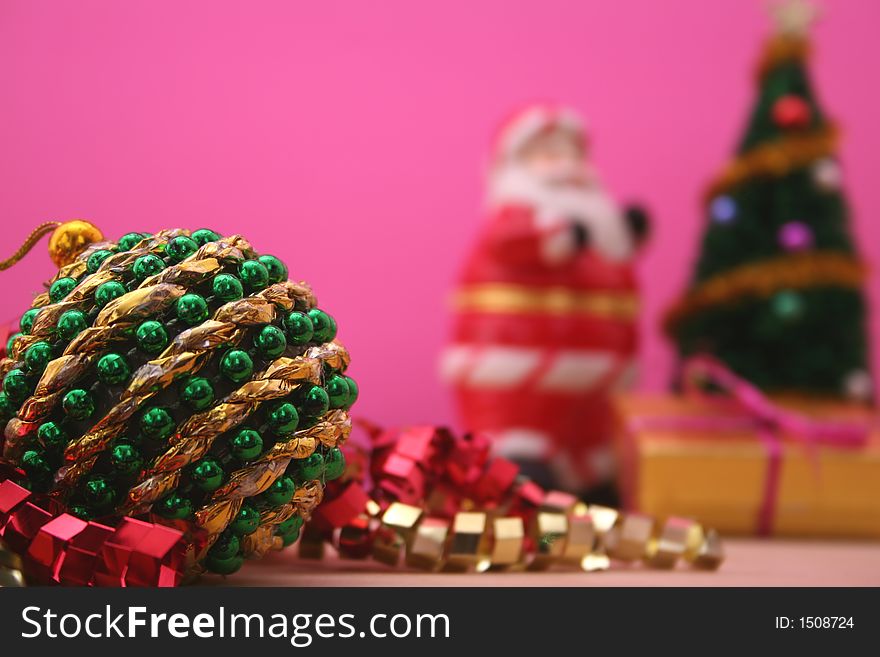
point(70, 239)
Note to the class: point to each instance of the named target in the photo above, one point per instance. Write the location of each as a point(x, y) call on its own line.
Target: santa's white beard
point(556, 203)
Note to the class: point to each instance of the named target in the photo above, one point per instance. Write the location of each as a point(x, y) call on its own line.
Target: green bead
point(311, 467)
point(107, 292)
point(280, 492)
point(237, 365)
point(787, 305)
point(35, 466)
point(227, 287)
point(289, 538)
point(283, 418)
point(151, 337)
point(353, 391)
point(157, 423)
point(334, 464)
point(128, 241)
point(113, 369)
point(277, 269)
point(97, 259)
point(337, 391)
point(291, 524)
point(11, 342)
point(6, 408)
point(51, 436)
point(325, 326)
point(299, 328)
point(226, 546)
point(246, 444)
point(79, 511)
point(174, 507)
point(246, 522)
point(61, 288)
point(254, 274)
point(270, 341)
point(37, 357)
point(315, 402)
point(180, 248)
point(71, 323)
point(204, 235)
point(27, 321)
point(17, 386)
point(99, 493)
point(207, 475)
point(224, 566)
point(146, 266)
point(78, 404)
point(192, 309)
point(197, 393)
point(126, 459)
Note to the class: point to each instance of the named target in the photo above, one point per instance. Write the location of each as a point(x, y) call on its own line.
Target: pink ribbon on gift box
point(768, 419)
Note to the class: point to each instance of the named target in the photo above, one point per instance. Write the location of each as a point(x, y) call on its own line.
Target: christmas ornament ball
point(178, 378)
point(795, 236)
point(722, 209)
point(791, 112)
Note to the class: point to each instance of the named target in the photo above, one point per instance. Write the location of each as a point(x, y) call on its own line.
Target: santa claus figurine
point(545, 312)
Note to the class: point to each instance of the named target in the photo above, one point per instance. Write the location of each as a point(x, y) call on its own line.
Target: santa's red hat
point(531, 121)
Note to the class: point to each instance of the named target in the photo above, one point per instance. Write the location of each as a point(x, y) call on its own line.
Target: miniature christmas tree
point(777, 289)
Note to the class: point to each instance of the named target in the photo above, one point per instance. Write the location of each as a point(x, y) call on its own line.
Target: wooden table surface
point(749, 562)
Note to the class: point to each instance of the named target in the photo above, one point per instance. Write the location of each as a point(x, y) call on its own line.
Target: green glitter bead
point(293, 523)
point(11, 341)
point(353, 391)
point(299, 328)
point(61, 288)
point(337, 391)
point(226, 546)
point(146, 266)
point(224, 566)
point(277, 269)
point(334, 464)
point(97, 259)
point(128, 241)
point(78, 404)
point(324, 325)
point(108, 291)
point(6, 408)
point(37, 357)
point(197, 393)
point(180, 248)
point(207, 475)
point(246, 522)
point(157, 423)
point(254, 274)
point(174, 507)
point(311, 467)
point(16, 385)
point(79, 511)
point(192, 309)
point(71, 323)
point(227, 287)
point(280, 492)
point(289, 538)
point(247, 444)
point(204, 235)
point(51, 436)
point(283, 418)
point(237, 365)
point(35, 466)
point(788, 305)
point(151, 337)
point(113, 369)
point(27, 321)
point(270, 341)
point(99, 493)
point(126, 459)
point(315, 402)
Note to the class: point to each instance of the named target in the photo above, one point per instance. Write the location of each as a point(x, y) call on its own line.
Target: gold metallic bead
point(467, 546)
point(11, 575)
point(709, 554)
point(581, 539)
point(426, 549)
point(402, 518)
point(628, 539)
point(604, 518)
point(507, 545)
point(595, 561)
point(549, 532)
point(70, 239)
point(678, 536)
point(311, 546)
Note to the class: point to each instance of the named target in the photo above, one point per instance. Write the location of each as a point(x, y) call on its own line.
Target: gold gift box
point(670, 465)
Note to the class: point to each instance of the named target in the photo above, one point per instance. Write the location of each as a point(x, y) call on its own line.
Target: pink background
point(347, 137)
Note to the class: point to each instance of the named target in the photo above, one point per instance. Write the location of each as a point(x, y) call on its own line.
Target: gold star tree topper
point(794, 17)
